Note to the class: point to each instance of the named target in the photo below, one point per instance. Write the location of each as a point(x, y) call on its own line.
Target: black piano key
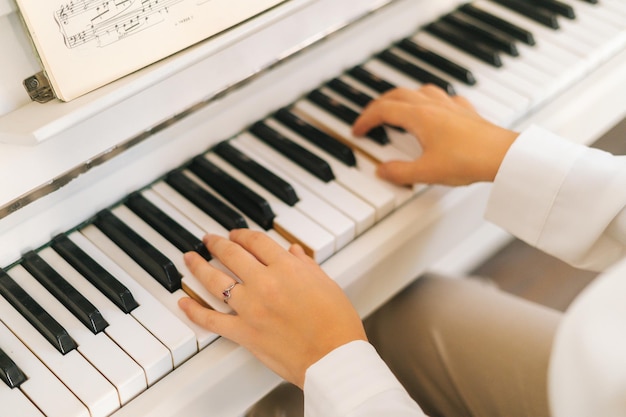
point(556, 6)
point(176, 234)
point(39, 318)
point(509, 28)
point(106, 283)
point(457, 38)
point(444, 64)
point(590, 1)
point(346, 90)
point(10, 373)
point(317, 137)
point(147, 256)
point(266, 178)
point(63, 291)
point(415, 71)
point(372, 81)
point(246, 200)
point(206, 201)
point(346, 114)
point(307, 160)
point(538, 14)
point(484, 34)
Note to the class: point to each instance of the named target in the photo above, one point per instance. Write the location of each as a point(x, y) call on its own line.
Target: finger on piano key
point(190, 284)
point(18, 404)
point(178, 235)
point(102, 353)
point(322, 99)
point(67, 295)
point(365, 187)
point(147, 351)
point(317, 242)
point(168, 299)
point(10, 373)
point(91, 388)
point(342, 131)
point(94, 273)
point(349, 204)
point(142, 252)
point(42, 388)
point(343, 228)
point(172, 332)
point(180, 180)
point(502, 109)
point(45, 324)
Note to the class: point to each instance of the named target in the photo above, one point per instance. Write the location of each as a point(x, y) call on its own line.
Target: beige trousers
point(461, 349)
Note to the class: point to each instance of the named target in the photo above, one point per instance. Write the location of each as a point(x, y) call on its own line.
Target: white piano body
point(60, 163)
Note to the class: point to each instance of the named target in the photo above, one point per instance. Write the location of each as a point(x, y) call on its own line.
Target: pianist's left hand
point(288, 312)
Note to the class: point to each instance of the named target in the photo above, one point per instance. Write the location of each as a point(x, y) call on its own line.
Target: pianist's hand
point(289, 313)
point(459, 146)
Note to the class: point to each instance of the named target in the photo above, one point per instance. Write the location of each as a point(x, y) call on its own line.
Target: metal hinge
point(38, 88)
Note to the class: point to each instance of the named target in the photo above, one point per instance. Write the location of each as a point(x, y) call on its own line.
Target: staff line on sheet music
point(108, 21)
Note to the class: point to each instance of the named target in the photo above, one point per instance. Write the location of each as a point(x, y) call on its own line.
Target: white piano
point(62, 163)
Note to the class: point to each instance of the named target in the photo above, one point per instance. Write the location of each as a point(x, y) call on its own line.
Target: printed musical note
point(103, 22)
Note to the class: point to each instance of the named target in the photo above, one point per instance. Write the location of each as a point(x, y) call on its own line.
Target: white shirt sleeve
point(569, 200)
point(563, 198)
point(353, 381)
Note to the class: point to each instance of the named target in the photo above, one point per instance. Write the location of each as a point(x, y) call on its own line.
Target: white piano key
point(503, 76)
point(167, 299)
point(175, 335)
point(105, 356)
point(502, 108)
point(312, 205)
point(561, 38)
point(72, 369)
point(305, 230)
point(365, 187)
point(191, 285)
point(17, 403)
point(358, 210)
point(397, 139)
point(149, 353)
point(343, 132)
point(42, 388)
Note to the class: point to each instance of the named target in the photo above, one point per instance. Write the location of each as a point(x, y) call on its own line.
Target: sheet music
point(84, 44)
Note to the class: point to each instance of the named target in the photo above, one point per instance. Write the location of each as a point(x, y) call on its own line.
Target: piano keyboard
point(90, 321)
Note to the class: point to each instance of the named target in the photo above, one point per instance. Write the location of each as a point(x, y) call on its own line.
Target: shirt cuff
point(345, 379)
point(529, 177)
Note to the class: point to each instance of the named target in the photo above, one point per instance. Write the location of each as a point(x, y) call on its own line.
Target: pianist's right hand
point(459, 146)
